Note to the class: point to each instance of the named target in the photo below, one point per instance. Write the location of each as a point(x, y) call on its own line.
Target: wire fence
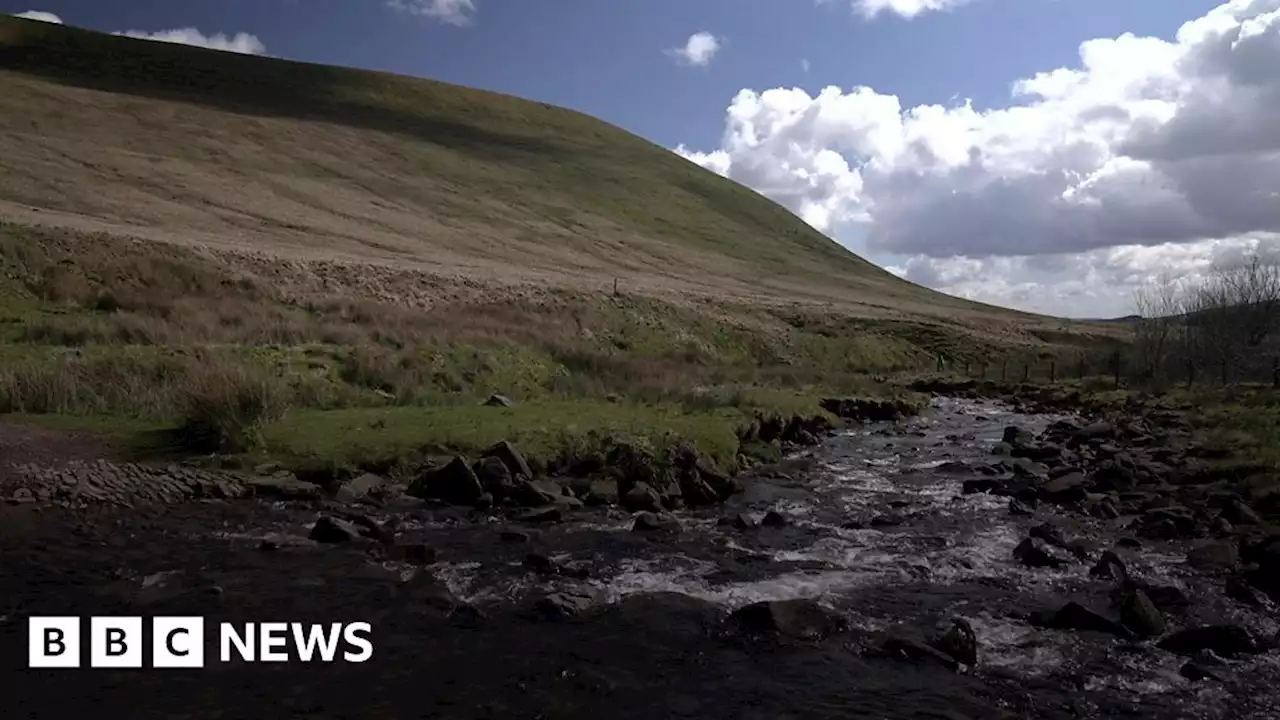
point(1119, 368)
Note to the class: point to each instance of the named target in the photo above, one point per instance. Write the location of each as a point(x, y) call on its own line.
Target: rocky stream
point(969, 562)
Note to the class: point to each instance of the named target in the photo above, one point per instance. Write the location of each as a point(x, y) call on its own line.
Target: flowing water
point(878, 530)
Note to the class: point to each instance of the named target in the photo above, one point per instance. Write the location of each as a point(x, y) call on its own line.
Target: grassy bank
point(98, 331)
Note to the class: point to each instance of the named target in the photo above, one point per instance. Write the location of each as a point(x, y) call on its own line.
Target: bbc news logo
point(179, 642)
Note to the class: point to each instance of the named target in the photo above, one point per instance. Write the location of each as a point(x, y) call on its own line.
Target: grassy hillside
point(185, 229)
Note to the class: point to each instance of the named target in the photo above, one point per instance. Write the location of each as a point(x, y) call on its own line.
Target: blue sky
point(1141, 138)
point(606, 57)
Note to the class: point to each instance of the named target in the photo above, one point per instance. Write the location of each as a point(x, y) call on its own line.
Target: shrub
point(223, 409)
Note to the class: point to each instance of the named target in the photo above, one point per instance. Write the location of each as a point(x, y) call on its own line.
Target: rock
point(1241, 514)
point(495, 477)
point(496, 400)
point(642, 498)
point(1049, 533)
point(904, 647)
point(361, 487)
point(1095, 431)
point(548, 514)
point(739, 521)
point(22, 496)
point(799, 619)
point(959, 642)
point(981, 485)
point(695, 491)
point(1241, 591)
point(1195, 672)
point(1003, 449)
point(1225, 640)
point(514, 536)
point(565, 604)
point(268, 546)
point(1024, 467)
point(602, 492)
point(1214, 555)
point(1066, 489)
point(655, 522)
point(1081, 548)
point(1074, 616)
point(539, 493)
point(1109, 567)
point(511, 457)
point(954, 467)
point(540, 563)
point(774, 519)
point(283, 487)
point(455, 483)
point(332, 530)
point(418, 553)
point(1014, 436)
point(1018, 507)
point(1140, 615)
point(1036, 554)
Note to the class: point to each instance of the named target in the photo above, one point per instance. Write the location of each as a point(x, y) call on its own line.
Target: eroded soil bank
point(870, 547)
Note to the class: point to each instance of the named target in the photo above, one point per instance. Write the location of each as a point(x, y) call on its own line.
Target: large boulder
point(1074, 616)
point(642, 498)
point(1140, 615)
point(1039, 554)
point(799, 619)
point(1224, 640)
point(959, 641)
point(511, 457)
point(495, 477)
point(455, 483)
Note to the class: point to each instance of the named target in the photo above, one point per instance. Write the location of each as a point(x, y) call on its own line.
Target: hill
point(380, 239)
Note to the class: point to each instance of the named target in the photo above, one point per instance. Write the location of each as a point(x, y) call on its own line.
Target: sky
point(1049, 155)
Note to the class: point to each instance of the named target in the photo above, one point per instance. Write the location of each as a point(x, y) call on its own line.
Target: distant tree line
point(1223, 327)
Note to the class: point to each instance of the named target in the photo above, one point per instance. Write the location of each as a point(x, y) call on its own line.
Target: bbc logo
point(179, 642)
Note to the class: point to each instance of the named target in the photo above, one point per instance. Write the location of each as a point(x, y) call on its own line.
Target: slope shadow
point(272, 88)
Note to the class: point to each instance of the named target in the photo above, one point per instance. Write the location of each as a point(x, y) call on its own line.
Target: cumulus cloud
point(450, 12)
point(908, 9)
point(1147, 143)
point(240, 43)
point(699, 49)
point(41, 16)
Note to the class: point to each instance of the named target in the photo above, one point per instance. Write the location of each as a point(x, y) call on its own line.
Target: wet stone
point(959, 642)
point(1037, 554)
point(774, 519)
point(1140, 615)
point(332, 530)
point(1074, 616)
point(1225, 640)
point(800, 619)
point(655, 522)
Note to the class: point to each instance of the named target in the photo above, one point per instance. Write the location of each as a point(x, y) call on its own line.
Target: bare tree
point(1159, 306)
point(1231, 314)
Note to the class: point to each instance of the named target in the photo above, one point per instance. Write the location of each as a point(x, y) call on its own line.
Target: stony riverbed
point(893, 532)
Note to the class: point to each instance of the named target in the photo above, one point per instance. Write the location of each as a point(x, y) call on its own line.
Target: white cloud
point(699, 49)
point(870, 9)
point(1147, 143)
point(41, 16)
point(451, 12)
point(240, 43)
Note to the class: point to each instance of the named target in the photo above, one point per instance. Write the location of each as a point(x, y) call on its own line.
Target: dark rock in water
point(959, 642)
point(1074, 616)
point(1036, 554)
point(1214, 555)
point(1140, 615)
point(1241, 514)
point(1167, 523)
point(1014, 435)
point(774, 519)
point(1224, 640)
point(1049, 533)
point(655, 522)
point(418, 553)
point(332, 530)
point(1195, 672)
point(494, 475)
point(739, 521)
point(1066, 489)
point(1018, 507)
point(514, 536)
point(550, 514)
point(1024, 467)
point(799, 619)
point(1081, 548)
point(1095, 431)
point(904, 647)
point(1241, 591)
point(1109, 567)
point(565, 604)
point(1002, 448)
point(887, 520)
point(1129, 543)
point(540, 563)
point(696, 491)
point(455, 483)
point(642, 498)
point(529, 493)
point(981, 485)
point(954, 467)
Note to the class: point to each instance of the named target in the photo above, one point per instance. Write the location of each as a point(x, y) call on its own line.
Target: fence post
point(1115, 366)
point(1004, 365)
point(984, 371)
point(1053, 371)
point(1080, 369)
point(967, 371)
point(1026, 371)
point(1275, 373)
point(1191, 372)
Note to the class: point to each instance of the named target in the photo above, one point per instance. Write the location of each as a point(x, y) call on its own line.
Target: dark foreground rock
point(795, 619)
